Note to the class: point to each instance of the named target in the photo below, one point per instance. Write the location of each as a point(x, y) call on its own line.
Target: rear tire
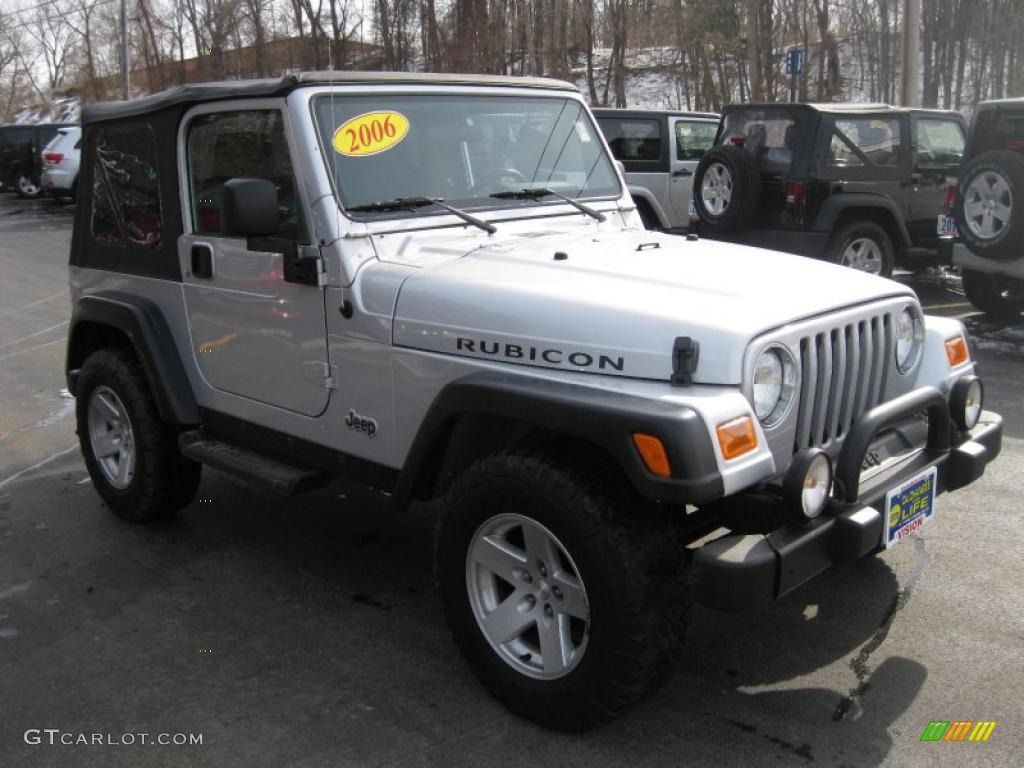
point(996, 295)
point(865, 246)
point(990, 205)
point(26, 188)
point(131, 455)
point(726, 189)
point(623, 554)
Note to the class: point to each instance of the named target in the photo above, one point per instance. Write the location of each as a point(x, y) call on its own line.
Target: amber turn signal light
point(956, 351)
point(652, 451)
point(737, 437)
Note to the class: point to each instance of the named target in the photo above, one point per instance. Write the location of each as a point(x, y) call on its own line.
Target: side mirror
point(249, 208)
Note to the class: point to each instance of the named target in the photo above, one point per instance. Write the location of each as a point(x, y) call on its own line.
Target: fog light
point(966, 402)
point(808, 483)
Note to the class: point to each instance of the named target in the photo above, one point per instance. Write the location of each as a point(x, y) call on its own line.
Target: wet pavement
point(305, 632)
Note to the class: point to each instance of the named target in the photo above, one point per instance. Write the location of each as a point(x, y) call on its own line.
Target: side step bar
point(281, 478)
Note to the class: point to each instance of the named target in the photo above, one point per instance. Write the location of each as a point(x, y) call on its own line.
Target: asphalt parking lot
point(306, 632)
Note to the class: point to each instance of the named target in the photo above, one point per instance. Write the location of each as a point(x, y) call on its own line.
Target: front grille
point(844, 375)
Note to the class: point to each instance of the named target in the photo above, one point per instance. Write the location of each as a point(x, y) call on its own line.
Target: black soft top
point(268, 87)
point(851, 108)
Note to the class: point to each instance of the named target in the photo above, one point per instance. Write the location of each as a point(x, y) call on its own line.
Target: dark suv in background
point(863, 185)
point(990, 209)
point(20, 161)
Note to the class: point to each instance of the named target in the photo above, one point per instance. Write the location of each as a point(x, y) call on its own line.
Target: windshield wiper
point(411, 203)
point(535, 193)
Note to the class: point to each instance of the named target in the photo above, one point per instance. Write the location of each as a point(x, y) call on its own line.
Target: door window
point(939, 142)
point(246, 144)
point(632, 139)
point(693, 139)
point(126, 187)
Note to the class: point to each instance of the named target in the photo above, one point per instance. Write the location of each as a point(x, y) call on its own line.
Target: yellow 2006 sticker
point(370, 133)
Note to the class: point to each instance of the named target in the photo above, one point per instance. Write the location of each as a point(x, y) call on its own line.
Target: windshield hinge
point(685, 353)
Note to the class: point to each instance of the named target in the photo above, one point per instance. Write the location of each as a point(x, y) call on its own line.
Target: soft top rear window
point(770, 134)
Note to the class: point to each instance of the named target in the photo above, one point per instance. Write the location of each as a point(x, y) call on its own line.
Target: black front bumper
point(746, 571)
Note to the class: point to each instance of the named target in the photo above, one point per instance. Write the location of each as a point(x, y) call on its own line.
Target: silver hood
point(617, 301)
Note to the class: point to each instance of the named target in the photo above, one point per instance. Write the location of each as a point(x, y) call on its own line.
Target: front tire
point(996, 295)
point(131, 455)
point(864, 246)
point(564, 592)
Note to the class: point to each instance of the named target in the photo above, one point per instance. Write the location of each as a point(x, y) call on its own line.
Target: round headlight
point(774, 386)
point(909, 338)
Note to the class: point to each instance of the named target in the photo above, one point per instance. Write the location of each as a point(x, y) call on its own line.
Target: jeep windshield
point(459, 148)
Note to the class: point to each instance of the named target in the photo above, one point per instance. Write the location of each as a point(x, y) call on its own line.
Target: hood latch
point(685, 352)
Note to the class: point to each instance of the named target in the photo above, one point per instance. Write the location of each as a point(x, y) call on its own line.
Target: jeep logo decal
point(533, 354)
point(361, 424)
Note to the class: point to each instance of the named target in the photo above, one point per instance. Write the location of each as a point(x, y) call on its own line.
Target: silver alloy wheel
point(527, 596)
point(27, 187)
point(111, 437)
point(988, 204)
point(863, 254)
point(716, 189)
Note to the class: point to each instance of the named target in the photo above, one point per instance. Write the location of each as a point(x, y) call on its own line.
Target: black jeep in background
point(864, 185)
point(990, 209)
point(20, 163)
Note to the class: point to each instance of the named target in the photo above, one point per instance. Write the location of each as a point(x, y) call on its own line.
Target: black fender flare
point(642, 193)
point(142, 322)
point(835, 205)
point(604, 418)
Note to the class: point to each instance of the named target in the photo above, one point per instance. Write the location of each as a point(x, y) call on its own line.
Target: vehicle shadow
point(328, 646)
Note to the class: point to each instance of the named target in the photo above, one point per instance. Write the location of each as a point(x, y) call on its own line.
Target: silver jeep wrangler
point(438, 286)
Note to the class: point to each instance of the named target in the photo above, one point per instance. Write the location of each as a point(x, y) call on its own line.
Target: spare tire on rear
point(990, 205)
point(726, 189)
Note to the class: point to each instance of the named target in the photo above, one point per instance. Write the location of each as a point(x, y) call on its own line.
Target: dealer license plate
point(910, 506)
point(946, 225)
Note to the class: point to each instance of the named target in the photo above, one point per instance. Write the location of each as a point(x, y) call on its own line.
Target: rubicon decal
point(548, 355)
point(958, 730)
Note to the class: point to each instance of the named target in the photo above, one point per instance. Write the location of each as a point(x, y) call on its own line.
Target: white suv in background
point(61, 158)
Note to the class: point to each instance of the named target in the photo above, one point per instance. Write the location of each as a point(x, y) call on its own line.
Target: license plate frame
point(919, 493)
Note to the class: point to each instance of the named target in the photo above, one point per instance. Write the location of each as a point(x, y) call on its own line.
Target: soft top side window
point(243, 144)
point(126, 187)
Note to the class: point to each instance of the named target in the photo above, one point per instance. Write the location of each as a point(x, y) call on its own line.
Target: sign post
point(794, 67)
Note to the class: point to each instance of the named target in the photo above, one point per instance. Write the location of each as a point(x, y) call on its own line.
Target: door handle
point(202, 261)
point(683, 172)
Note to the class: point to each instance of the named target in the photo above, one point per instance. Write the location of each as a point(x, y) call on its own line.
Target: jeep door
point(254, 334)
point(938, 148)
point(691, 139)
point(640, 144)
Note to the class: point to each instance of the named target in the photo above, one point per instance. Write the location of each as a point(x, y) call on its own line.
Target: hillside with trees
point(698, 54)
